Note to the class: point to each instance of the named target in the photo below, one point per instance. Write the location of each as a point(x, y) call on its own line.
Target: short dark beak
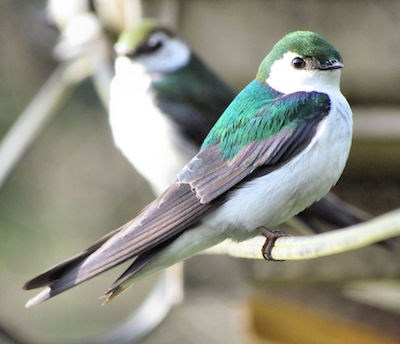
point(332, 64)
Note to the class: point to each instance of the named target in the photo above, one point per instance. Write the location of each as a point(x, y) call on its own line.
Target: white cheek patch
point(285, 78)
point(173, 55)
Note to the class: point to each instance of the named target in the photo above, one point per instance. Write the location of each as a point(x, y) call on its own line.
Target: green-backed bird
point(279, 146)
point(165, 100)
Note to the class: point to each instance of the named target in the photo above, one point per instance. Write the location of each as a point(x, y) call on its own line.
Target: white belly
point(143, 134)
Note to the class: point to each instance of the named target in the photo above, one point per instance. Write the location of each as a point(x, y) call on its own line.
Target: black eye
point(150, 46)
point(155, 43)
point(298, 63)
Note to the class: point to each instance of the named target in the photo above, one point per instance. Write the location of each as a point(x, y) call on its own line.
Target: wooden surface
point(307, 315)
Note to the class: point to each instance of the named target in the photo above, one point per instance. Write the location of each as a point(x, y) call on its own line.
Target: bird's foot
point(271, 237)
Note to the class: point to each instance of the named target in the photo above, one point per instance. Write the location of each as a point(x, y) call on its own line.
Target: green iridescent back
point(259, 112)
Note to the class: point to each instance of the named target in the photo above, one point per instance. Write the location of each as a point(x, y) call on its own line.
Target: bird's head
point(301, 61)
point(152, 47)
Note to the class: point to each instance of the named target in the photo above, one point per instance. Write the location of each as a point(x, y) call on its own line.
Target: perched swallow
point(278, 147)
point(163, 102)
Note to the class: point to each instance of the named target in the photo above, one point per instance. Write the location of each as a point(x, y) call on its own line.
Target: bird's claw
point(271, 236)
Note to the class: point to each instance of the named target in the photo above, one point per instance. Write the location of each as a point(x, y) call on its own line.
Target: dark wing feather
point(160, 222)
point(193, 98)
point(189, 121)
point(210, 176)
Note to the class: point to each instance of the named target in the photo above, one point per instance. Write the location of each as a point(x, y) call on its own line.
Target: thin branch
point(43, 106)
point(313, 246)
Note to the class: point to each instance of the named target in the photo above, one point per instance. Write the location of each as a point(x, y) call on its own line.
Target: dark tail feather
point(337, 213)
point(140, 262)
point(56, 272)
point(333, 211)
point(117, 288)
point(79, 272)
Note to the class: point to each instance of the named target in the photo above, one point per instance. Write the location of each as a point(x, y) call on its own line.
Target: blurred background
point(72, 186)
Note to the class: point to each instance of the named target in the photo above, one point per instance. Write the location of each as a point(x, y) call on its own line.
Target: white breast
point(140, 130)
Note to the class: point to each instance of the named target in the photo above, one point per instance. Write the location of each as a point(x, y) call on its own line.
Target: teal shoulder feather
point(259, 112)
